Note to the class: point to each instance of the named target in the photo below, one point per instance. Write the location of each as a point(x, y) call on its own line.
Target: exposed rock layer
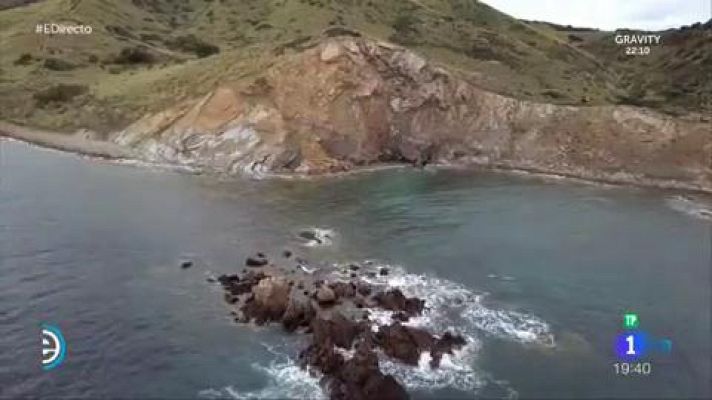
point(350, 102)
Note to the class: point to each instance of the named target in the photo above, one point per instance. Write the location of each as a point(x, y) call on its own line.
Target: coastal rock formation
point(349, 102)
point(344, 341)
point(394, 300)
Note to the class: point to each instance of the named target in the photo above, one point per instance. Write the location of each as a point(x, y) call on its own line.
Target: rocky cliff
point(347, 102)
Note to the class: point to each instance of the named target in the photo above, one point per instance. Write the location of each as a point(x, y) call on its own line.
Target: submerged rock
point(310, 236)
point(257, 260)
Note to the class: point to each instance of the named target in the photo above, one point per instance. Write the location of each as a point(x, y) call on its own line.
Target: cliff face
point(349, 102)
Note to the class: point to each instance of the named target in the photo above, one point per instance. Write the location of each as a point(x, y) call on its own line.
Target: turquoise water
point(536, 273)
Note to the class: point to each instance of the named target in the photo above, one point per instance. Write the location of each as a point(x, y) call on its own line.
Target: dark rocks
point(258, 260)
point(445, 344)
point(322, 356)
point(310, 236)
point(361, 378)
point(228, 279)
point(406, 343)
point(403, 342)
point(269, 300)
point(343, 289)
point(395, 300)
point(332, 312)
point(358, 378)
point(185, 264)
point(400, 316)
point(299, 312)
point(287, 253)
point(363, 289)
point(448, 341)
point(325, 295)
point(339, 330)
point(236, 286)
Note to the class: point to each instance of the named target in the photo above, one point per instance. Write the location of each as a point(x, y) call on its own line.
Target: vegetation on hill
point(676, 77)
point(145, 55)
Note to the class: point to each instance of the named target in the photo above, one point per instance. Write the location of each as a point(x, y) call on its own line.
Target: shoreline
point(72, 143)
point(66, 142)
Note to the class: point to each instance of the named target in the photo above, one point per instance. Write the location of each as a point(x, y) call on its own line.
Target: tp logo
point(54, 348)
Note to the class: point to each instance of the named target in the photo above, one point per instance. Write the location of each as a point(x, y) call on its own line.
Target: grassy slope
point(490, 48)
point(676, 76)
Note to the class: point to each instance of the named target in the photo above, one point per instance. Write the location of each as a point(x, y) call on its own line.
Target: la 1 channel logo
point(633, 343)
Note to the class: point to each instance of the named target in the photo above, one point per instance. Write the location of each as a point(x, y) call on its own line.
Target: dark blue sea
point(537, 274)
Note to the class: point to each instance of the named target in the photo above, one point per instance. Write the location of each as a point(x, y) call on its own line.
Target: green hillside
point(144, 55)
point(676, 76)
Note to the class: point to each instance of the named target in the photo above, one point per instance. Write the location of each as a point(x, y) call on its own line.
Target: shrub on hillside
point(192, 44)
point(57, 64)
point(134, 55)
point(24, 59)
point(58, 94)
point(406, 29)
point(405, 23)
point(553, 94)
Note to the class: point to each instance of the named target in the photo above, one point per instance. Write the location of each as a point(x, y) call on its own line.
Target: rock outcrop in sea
point(344, 339)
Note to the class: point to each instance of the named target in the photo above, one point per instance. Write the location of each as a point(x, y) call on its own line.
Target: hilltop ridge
point(144, 55)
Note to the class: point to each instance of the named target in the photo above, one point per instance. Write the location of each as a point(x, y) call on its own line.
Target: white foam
point(450, 306)
point(691, 207)
point(457, 371)
point(287, 380)
point(323, 237)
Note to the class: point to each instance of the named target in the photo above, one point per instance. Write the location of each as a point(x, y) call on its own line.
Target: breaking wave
point(315, 237)
point(691, 207)
point(449, 307)
point(287, 380)
point(452, 306)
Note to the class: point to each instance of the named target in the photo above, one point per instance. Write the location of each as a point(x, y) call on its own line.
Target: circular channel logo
point(54, 348)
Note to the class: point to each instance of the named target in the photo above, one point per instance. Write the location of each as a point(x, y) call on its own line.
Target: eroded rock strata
point(347, 102)
point(344, 341)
